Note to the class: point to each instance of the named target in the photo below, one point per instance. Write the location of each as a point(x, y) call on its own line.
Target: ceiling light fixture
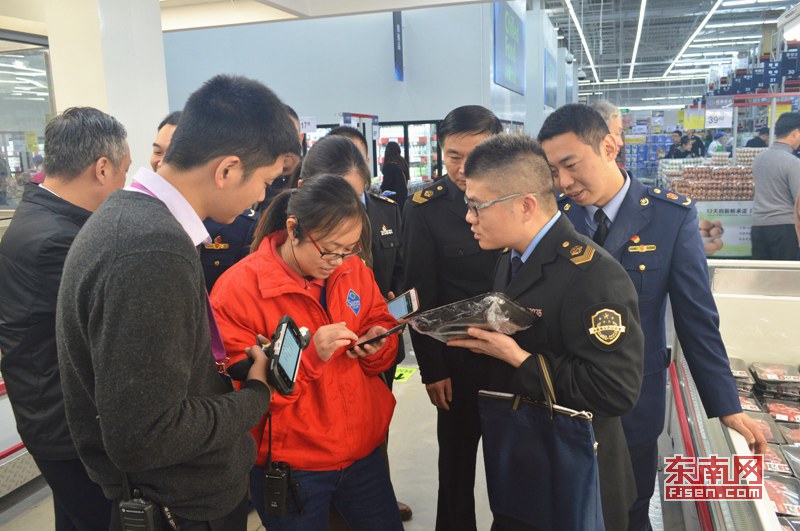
point(670, 107)
point(638, 37)
point(715, 44)
point(693, 35)
point(583, 39)
point(740, 24)
point(733, 3)
point(737, 38)
point(642, 80)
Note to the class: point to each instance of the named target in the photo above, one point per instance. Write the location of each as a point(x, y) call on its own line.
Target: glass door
point(422, 151)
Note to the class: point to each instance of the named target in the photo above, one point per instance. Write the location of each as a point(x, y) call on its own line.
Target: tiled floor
point(412, 452)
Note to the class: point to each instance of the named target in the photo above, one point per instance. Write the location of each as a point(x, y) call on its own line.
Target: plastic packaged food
point(739, 368)
point(767, 426)
point(783, 410)
point(749, 402)
point(775, 372)
point(774, 460)
point(789, 524)
point(790, 431)
point(779, 392)
point(784, 492)
point(792, 456)
point(491, 311)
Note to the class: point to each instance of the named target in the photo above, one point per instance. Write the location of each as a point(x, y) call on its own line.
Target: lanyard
point(217, 346)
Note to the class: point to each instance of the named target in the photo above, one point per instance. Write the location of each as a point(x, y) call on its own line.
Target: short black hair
point(350, 132)
point(786, 123)
point(677, 132)
point(576, 118)
point(292, 113)
point(685, 139)
point(232, 115)
point(170, 119)
point(469, 119)
point(763, 131)
point(494, 157)
point(78, 137)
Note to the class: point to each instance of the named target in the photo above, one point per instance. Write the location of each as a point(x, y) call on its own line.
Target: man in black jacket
point(588, 327)
point(444, 262)
point(87, 159)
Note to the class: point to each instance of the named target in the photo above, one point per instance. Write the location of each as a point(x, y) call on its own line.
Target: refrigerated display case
point(419, 143)
point(758, 303)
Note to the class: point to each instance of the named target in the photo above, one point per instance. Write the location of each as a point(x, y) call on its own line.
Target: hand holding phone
point(367, 345)
point(404, 304)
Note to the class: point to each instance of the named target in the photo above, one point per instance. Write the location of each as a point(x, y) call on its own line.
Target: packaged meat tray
point(490, 311)
point(739, 368)
point(784, 492)
point(782, 410)
point(778, 391)
point(749, 402)
point(789, 524)
point(744, 385)
point(792, 456)
point(775, 461)
point(790, 431)
point(767, 426)
point(775, 372)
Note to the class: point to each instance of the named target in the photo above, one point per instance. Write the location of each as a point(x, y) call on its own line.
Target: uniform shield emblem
point(607, 326)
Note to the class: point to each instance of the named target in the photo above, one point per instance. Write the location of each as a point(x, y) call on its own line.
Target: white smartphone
point(404, 304)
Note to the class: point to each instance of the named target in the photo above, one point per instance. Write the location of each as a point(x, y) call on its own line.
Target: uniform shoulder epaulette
point(669, 197)
point(384, 198)
point(578, 253)
point(431, 192)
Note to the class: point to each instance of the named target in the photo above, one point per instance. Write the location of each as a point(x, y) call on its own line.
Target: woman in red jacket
point(329, 430)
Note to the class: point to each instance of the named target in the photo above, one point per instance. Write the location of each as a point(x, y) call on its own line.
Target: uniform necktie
point(516, 265)
point(602, 228)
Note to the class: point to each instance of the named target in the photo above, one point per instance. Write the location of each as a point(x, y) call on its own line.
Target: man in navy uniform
point(446, 264)
point(573, 286)
point(653, 233)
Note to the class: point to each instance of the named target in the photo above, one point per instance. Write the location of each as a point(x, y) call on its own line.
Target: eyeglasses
point(476, 208)
point(332, 257)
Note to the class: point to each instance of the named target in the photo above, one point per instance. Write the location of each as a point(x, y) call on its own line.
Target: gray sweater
point(776, 178)
point(141, 390)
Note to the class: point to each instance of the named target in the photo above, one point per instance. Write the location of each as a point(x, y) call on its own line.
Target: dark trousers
point(644, 458)
point(78, 502)
point(236, 520)
point(459, 431)
point(362, 493)
point(774, 242)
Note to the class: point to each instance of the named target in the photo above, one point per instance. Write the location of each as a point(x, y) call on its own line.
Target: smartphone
point(396, 329)
point(404, 305)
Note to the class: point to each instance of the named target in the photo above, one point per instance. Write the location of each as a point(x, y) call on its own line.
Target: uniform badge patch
point(354, 301)
point(385, 231)
point(576, 250)
point(672, 196)
point(606, 327)
point(217, 245)
point(428, 193)
point(644, 201)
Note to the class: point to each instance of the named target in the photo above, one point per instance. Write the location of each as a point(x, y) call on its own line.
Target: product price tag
point(719, 118)
point(308, 124)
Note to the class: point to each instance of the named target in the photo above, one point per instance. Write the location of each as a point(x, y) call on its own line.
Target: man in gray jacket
point(776, 175)
point(137, 342)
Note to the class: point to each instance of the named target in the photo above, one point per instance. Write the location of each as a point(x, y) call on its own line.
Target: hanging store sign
point(397, 25)
point(509, 49)
point(719, 118)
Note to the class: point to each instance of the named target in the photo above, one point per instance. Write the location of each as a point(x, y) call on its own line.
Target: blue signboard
point(509, 48)
point(397, 30)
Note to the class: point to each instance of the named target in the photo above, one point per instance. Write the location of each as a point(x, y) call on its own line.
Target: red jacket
point(340, 410)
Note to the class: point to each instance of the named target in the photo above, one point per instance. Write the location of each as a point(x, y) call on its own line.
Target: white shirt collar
point(175, 202)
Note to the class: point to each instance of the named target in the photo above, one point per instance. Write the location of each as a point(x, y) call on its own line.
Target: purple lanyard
point(217, 346)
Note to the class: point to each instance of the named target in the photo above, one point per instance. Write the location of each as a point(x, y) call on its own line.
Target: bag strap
point(546, 381)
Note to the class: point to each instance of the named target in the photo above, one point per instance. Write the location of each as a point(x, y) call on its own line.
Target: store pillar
point(110, 55)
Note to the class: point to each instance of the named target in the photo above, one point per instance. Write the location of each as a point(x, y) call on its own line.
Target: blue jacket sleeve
point(697, 321)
